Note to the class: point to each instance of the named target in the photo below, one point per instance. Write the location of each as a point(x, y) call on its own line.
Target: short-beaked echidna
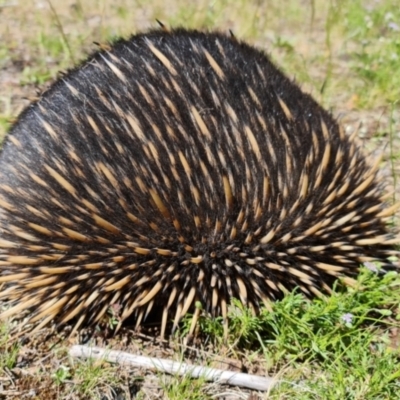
point(174, 168)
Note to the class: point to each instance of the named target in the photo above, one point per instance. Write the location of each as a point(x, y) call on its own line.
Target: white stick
point(175, 368)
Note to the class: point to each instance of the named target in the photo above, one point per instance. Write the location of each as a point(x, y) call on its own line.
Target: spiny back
point(178, 167)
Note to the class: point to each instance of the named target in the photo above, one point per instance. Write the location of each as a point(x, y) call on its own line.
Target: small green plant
point(92, 375)
point(183, 388)
point(114, 316)
point(8, 349)
point(34, 76)
point(62, 374)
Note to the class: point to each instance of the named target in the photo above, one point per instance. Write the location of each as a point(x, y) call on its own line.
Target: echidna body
point(178, 167)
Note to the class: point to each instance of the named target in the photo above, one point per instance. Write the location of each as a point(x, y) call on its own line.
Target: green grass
point(89, 375)
point(375, 30)
point(182, 388)
point(336, 347)
point(9, 349)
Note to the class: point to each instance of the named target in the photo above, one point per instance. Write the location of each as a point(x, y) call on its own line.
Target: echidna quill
point(174, 168)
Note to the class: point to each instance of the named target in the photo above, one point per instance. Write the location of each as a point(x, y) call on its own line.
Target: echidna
point(174, 168)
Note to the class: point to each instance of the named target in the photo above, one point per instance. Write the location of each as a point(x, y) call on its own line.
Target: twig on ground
point(176, 368)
